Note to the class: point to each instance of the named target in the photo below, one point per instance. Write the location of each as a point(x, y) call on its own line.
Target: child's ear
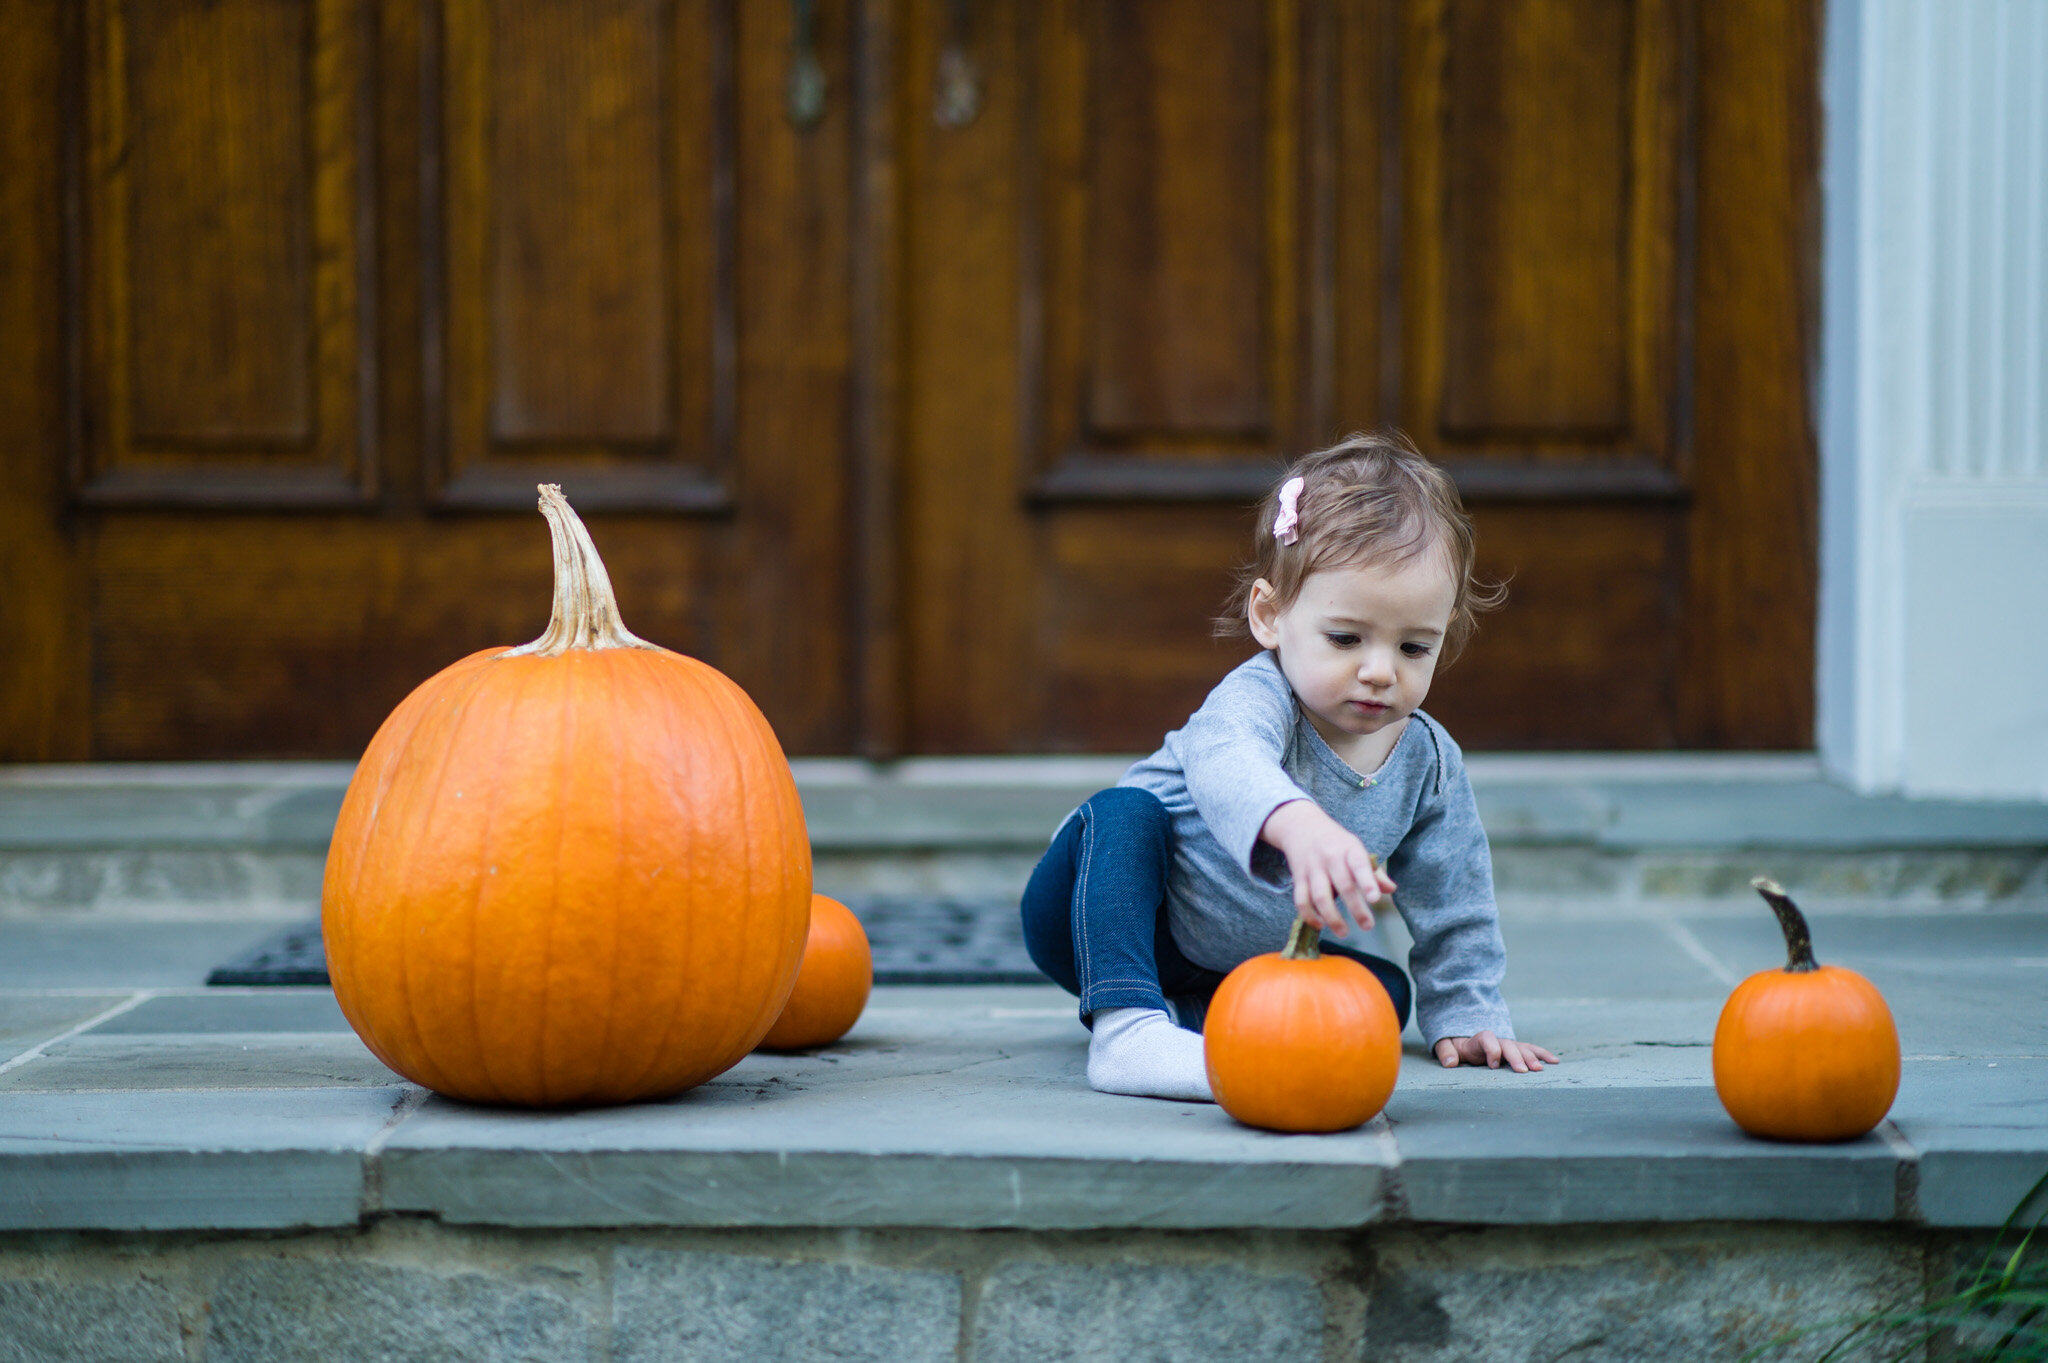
point(1262, 613)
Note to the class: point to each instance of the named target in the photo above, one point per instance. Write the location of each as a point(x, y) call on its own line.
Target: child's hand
point(1520, 1056)
point(1328, 863)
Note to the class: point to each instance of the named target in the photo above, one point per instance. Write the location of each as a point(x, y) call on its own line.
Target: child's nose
point(1377, 666)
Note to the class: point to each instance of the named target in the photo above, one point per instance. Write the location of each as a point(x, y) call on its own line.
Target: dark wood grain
point(972, 596)
point(583, 104)
point(782, 594)
point(1176, 254)
point(1537, 178)
point(221, 168)
point(1746, 671)
point(46, 692)
point(876, 246)
point(1546, 151)
point(936, 438)
point(1169, 217)
point(218, 263)
point(1587, 643)
point(586, 232)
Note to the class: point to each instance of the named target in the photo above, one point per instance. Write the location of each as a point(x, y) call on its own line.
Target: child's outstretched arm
point(1458, 960)
point(1327, 864)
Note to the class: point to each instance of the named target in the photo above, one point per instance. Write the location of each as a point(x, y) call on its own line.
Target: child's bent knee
point(1133, 809)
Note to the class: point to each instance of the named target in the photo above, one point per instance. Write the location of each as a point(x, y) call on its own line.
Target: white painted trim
point(1929, 398)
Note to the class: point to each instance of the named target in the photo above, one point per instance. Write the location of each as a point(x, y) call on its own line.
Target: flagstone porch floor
point(133, 1098)
point(227, 1173)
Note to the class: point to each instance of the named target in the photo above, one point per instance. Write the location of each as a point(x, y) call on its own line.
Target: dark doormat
point(917, 939)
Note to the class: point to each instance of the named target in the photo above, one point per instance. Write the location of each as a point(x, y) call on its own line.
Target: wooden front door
point(914, 361)
point(341, 282)
point(1561, 243)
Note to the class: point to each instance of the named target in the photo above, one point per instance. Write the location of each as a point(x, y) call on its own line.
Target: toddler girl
point(1264, 804)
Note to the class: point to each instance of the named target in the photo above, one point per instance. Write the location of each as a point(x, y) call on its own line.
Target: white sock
point(1140, 1052)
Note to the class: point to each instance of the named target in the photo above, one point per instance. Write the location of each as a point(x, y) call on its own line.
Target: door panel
point(1161, 282)
point(225, 262)
point(1205, 242)
point(1545, 148)
point(275, 546)
point(939, 434)
point(589, 308)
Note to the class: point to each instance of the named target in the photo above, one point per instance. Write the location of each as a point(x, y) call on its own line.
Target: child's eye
point(1342, 640)
point(1416, 650)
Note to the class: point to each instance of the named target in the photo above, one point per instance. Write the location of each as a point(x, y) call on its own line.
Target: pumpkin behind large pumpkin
point(571, 873)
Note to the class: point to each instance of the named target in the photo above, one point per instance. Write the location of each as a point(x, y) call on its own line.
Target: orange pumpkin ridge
point(572, 872)
point(1808, 1052)
point(401, 1042)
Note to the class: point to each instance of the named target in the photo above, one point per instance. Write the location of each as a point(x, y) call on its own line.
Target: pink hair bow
point(1287, 524)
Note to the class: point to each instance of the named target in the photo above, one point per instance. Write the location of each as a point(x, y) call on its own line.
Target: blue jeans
point(1095, 915)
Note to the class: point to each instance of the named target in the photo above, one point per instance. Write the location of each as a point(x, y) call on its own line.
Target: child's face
point(1359, 645)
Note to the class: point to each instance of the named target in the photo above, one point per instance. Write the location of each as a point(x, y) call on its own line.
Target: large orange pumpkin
point(1809, 1052)
point(573, 872)
point(1300, 1041)
point(832, 985)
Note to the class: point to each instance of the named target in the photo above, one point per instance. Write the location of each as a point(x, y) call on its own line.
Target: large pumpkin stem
point(586, 613)
point(1304, 942)
point(1798, 939)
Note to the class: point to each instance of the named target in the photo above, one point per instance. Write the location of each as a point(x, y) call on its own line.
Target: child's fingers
point(1365, 879)
point(1447, 1053)
point(1491, 1044)
point(1356, 892)
point(1323, 900)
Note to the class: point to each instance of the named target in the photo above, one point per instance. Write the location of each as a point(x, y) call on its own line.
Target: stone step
point(1571, 833)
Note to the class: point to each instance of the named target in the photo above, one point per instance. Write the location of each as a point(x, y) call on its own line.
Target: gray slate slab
point(1616, 959)
point(172, 1161)
point(1613, 800)
point(1956, 983)
point(165, 1063)
point(968, 1107)
point(1981, 1127)
point(28, 1020)
point(112, 953)
point(1526, 1154)
point(231, 1010)
point(944, 1107)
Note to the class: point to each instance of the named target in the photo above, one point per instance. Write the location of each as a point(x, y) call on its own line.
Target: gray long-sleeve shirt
point(1250, 749)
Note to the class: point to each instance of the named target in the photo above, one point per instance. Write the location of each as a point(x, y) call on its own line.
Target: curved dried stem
point(586, 613)
point(1798, 938)
point(1304, 942)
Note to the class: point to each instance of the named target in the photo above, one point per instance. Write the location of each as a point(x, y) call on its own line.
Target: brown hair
point(1368, 499)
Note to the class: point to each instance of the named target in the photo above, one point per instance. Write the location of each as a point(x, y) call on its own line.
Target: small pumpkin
point(572, 872)
point(1299, 1041)
point(1809, 1052)
point(832, 984)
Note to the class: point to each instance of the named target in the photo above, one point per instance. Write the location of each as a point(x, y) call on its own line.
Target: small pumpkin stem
point(586, 613)
point(1798, 939)
point(1304, 942)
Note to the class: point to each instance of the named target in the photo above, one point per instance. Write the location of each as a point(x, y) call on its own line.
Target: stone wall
point(413, 1289)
